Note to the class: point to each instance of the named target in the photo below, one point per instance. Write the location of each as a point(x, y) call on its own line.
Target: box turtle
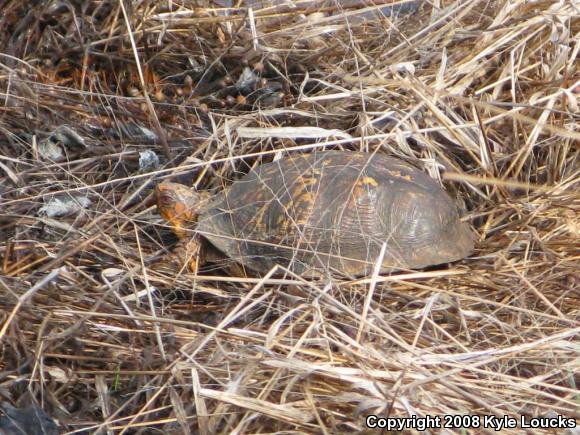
point(323, 212)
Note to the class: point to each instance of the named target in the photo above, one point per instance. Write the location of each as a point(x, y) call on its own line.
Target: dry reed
point(483, 95)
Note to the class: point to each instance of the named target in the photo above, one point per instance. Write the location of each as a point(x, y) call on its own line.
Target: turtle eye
point(166, 199)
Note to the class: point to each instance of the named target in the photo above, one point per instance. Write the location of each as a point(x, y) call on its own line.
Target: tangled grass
point(101, 100)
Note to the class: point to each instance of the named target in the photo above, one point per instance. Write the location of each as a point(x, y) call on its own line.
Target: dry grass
point(483, 93)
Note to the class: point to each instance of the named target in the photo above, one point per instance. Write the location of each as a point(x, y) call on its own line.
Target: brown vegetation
point(481, 94)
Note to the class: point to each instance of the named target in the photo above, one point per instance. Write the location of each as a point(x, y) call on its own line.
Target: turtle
point(322, 212)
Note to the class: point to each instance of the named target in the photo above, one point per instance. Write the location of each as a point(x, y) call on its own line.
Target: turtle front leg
point(188, 253)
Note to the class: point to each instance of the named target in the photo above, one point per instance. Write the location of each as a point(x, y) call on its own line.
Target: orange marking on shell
point(358, 193)
point(398, 174)
point(259, 224)
point(297, 210)
point(310, 181)
point(370, 181)
point(301, 203)
point(295, 192)
point(304, 198)
point(305, 201)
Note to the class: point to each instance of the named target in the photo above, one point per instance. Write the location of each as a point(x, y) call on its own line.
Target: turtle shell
point(334, 211)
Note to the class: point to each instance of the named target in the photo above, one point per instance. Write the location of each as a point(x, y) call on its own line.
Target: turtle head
point(178, 205)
